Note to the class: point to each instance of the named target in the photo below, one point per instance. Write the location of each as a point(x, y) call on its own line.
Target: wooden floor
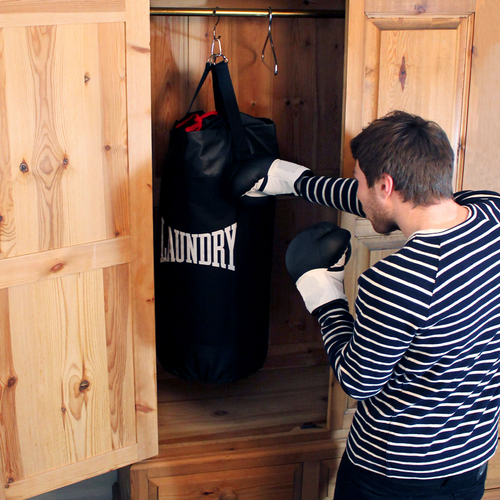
point(267, 402)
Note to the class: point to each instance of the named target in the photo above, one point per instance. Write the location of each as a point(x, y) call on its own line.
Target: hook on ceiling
point(270, 38)
point(216, 40)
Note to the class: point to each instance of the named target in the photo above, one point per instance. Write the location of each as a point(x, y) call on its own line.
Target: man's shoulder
point(416, 261)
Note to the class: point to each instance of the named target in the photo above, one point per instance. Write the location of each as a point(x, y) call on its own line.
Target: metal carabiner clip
point(216, 39)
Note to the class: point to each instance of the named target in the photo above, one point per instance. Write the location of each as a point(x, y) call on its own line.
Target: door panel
point(68, 156)
point(483, 144)
point(418, 65)
point(77, 353)
point(415, 58)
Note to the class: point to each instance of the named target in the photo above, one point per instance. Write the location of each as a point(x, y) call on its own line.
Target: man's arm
point(337, 193)
point(392, 305)
point(268, 176)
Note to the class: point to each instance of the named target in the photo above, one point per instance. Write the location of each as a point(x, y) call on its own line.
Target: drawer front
point(270, 483)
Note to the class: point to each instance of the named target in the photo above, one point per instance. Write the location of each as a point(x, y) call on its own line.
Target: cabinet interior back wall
point(305, 101)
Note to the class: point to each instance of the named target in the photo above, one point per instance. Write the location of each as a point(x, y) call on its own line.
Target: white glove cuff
point(318, 287)
point(283, 175)
point(280, 179)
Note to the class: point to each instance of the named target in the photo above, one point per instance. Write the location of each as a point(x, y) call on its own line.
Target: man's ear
point(384, 186)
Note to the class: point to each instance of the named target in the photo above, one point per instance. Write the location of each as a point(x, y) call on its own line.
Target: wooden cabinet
point(78, 393)
point(77, 356)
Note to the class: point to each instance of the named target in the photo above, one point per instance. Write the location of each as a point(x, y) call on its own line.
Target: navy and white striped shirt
point(422, 356)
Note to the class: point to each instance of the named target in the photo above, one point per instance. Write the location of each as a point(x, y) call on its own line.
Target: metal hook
point(270, 38)
point(217, 22)
point(216, 39)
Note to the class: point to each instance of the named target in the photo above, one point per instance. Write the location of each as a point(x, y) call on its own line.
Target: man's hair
point(415, 152)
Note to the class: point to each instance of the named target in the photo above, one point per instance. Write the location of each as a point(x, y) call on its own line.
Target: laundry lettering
point(205, 249)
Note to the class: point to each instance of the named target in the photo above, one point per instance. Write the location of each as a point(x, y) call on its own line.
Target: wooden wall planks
point(304, 100)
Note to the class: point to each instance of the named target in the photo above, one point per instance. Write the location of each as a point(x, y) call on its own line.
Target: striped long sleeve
point(422, 354)
point(336, 193)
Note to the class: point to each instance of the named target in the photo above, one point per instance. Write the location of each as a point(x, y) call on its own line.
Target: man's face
point(376, 211)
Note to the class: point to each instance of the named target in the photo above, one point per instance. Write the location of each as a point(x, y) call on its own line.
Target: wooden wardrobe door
point(77, 353)
point(412, 57)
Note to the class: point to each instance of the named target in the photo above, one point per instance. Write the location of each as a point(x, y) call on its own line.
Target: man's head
point(414, 152)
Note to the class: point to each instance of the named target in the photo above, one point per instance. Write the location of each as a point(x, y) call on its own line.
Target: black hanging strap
point(225, 104)
point(208, 68)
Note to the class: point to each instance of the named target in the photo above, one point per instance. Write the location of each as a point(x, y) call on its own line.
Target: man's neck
point(443, 215)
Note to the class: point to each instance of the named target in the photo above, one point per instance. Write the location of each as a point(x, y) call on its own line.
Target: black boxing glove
point(315, 260)
point(266, 175)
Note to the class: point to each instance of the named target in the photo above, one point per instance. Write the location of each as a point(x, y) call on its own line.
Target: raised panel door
point(77, 353)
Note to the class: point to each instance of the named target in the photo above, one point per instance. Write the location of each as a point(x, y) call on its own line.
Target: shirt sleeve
point(392, 305)
point(337, 193)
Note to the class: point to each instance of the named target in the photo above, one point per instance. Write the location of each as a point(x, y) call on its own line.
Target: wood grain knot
point(141, 50)
point(84, 385)
point(86, 78)
point(220, 413)
point(12, 382)
point(143, 408)
point(419, 8)
point(57, 267)
point(402, 73)
point(24, 167)
point(1, 218)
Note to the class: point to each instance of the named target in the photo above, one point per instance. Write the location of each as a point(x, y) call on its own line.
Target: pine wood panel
point(68, 159)
point(64, 386)
point(138, 65)
point(7, 224)
point(73, 370)
point(55, 6)
point(46, 12)
point(72, 403)
point(78, 471)
point(64, 261)
point(421, 69)
point(77, 381)
point(119, 347)
point(431, 81)
point(483, 145)
point(10, 451)
point(429, 7)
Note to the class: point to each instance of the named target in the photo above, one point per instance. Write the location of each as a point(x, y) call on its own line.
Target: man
point(422, 356)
